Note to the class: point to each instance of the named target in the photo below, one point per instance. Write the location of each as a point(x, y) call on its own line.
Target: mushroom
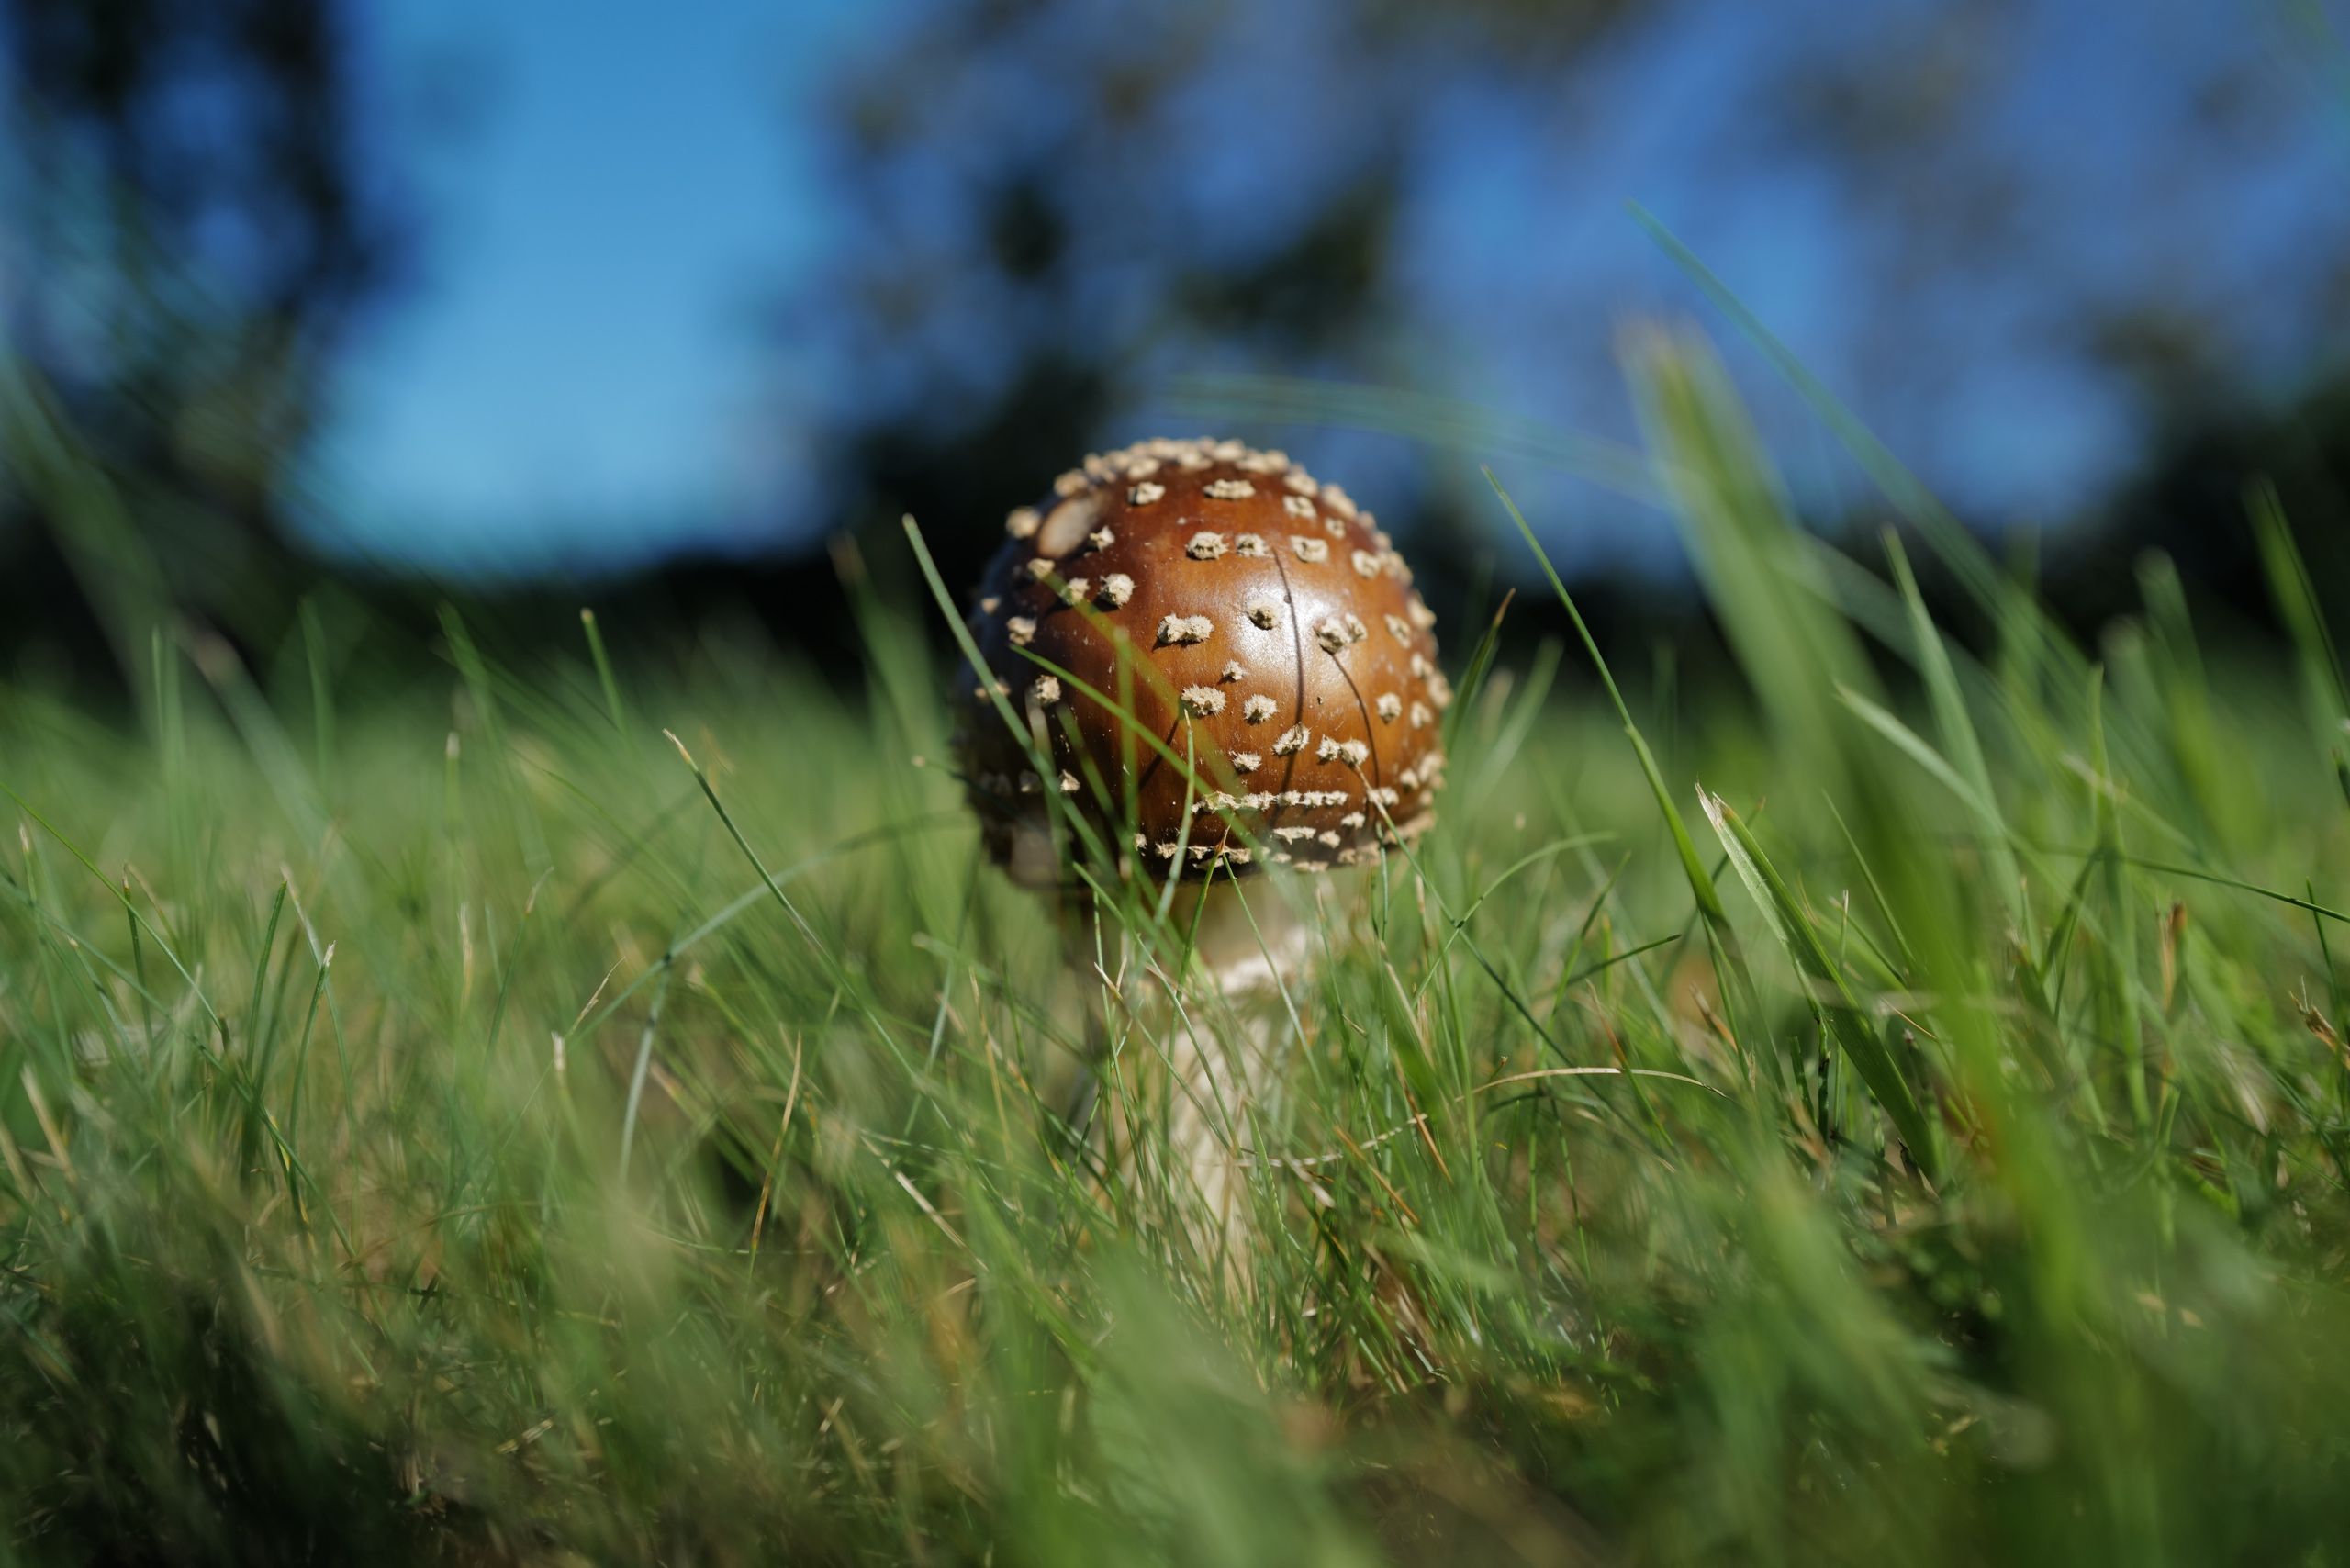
point(1264, 633)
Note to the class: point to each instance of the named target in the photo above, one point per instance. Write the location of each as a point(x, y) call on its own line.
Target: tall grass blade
point(1840, 1011)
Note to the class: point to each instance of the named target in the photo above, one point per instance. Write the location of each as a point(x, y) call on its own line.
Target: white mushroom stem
point(1253, 944)
point(1250, 942)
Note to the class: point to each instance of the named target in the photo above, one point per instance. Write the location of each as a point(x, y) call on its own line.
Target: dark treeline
point(2191, 507)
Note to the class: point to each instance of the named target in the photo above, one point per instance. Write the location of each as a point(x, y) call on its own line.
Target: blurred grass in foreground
point(424, 1131)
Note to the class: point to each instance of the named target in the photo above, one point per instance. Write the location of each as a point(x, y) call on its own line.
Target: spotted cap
point(1271, 632)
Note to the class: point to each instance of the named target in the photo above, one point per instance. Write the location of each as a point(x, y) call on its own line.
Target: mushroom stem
point(1245, 943)
point(1218, 1050)
point(1224, 1055)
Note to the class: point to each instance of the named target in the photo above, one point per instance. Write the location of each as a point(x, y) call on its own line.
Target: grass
point(1891, 1108)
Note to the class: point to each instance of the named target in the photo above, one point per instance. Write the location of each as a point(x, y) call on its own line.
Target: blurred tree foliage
point(1080, 200)
point(200, 237)
point(1048, 211)
point(1053, 207)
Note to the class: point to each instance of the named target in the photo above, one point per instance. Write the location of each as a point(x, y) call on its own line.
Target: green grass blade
point(1841, 1012)
point(1701, 885)
point(1961, 743)
point(2323, 686)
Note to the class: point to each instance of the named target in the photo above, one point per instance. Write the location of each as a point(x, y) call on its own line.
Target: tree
point(2026, 248)
point(1049, 205)
point(200, 236)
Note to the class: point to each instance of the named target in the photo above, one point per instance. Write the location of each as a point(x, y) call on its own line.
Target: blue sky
point(588, 370)
point(573, 370)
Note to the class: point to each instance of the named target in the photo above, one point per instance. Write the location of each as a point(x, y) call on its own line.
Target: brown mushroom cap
point(1269, 627)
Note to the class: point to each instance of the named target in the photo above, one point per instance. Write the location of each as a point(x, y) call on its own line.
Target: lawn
point(1884, 1103)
